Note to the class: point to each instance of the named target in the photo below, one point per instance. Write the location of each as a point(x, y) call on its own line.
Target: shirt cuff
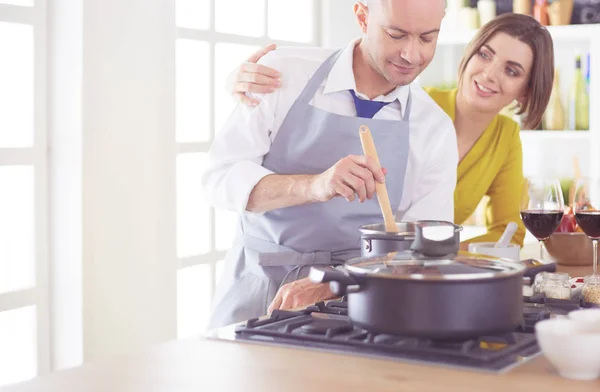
point(241, 179)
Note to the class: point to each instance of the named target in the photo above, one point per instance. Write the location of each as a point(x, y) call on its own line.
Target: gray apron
point(279, 246)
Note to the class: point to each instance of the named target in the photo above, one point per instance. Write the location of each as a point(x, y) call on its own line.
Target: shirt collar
point(341, 78)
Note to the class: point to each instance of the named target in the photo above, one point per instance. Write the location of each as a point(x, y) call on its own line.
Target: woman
point(510, 59)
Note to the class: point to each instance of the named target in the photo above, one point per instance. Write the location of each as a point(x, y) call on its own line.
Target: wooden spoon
point(368, 145)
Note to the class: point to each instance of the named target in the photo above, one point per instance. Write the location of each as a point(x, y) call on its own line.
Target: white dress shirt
point(236, 155)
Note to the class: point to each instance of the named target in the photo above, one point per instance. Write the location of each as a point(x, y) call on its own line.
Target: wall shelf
point(559, 34)
point(554, 135)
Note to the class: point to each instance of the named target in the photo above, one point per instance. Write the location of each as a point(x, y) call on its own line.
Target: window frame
point(213, 37)
point(35, 156)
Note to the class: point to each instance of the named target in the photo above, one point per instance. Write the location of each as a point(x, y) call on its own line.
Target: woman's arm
point(505, 195)
point(251, 77)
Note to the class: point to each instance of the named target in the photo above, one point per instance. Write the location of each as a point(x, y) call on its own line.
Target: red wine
point(541, 223)
point(589, 221)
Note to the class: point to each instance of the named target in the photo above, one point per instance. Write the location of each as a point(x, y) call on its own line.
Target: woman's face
point(497, 74)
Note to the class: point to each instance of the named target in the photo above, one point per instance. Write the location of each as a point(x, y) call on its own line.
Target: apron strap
point(271, 254)
point(318, 77)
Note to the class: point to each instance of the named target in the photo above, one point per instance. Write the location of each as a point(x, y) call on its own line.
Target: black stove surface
point(326, 326)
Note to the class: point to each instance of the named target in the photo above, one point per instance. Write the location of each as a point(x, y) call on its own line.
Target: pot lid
point(411, 265)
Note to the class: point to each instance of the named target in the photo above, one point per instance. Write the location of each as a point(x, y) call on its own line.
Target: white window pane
point(225, 226)
point(26, 3)
point(193, 226)
point(193, 14)
point(193, 300)
point(227, 57)
point(16, 85)
point(291, 20)
point(18, 342)
point(242, 17)
point(16, 228)
point(192, 91)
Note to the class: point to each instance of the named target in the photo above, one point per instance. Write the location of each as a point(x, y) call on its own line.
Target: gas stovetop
point(326, 326)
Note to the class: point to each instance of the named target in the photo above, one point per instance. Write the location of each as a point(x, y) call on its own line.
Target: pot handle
point(534, 267)
point(339, 282)
point(433, 248)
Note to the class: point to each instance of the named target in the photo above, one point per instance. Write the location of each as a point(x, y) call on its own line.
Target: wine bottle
point(578, 100)
point(554, 118)
point(540, 12)
point(587, 75)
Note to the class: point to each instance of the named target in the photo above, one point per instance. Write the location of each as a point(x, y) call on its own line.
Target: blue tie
point(364, 108)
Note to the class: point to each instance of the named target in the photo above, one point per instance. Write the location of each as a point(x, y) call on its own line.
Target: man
point(292, 167)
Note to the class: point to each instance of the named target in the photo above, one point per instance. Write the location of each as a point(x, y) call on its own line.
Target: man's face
point(400, 36)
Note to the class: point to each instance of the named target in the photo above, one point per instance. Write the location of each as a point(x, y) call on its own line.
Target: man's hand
point(299, 294)
point(350, 175)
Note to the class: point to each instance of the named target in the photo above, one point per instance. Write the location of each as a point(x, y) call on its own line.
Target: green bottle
point(578, 100)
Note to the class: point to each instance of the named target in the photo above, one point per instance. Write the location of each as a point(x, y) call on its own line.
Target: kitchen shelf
point(559, 33)
point(554, 135)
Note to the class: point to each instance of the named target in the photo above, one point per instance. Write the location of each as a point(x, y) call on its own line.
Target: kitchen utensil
point(430, 291)
point(571, 346)
point(368, 145)
point(542, 207)
point(510, 252)
point(505, 238)
point(376, 240)
point(586, 315)
point(586, 207)
point(570, 248)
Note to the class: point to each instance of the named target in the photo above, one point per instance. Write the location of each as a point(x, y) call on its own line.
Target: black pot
point(430, 291)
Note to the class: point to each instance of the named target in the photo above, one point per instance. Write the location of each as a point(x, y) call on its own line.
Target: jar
point(591, 289)
point(537, 282)
point(556, 285)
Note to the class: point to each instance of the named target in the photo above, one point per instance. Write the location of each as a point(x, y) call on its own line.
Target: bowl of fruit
point(569, 245)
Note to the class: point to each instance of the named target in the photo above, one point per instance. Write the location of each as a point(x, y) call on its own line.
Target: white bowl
point(571, 346)
point(586, 315)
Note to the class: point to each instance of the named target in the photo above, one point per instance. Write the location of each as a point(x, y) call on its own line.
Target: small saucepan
point(375, 240)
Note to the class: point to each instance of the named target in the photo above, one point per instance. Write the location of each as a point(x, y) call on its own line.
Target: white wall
point(112, 141)
point(338, 24)
point(129, 269)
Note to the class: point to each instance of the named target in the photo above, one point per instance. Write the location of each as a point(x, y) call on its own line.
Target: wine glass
point(542, 207)
point(587, 215)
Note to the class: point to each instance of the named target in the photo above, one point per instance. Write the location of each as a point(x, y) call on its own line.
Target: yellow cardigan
point(493, 167)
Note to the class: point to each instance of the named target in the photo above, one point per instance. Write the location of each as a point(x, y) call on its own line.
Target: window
point(23, 199)
point(212, 41)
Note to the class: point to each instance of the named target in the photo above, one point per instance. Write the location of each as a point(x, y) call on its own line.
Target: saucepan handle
point(340, 283)
point(436, 248)
point(534, 267)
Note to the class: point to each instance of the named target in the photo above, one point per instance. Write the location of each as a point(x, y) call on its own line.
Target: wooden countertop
point(204, 365)
point(201, 365)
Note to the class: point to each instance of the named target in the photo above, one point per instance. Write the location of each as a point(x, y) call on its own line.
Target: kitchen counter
point(201, 365)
